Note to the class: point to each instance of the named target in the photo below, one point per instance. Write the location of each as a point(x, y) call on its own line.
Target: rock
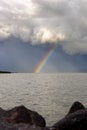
point(21, 118)
point(75, 107)
point(21, 126)
point(21, 114)
point(76, 119)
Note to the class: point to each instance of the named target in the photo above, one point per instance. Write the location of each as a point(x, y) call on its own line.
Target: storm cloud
point(46, 21)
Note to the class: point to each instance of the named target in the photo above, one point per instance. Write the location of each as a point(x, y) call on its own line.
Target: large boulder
point(21, 126)
point(75, 107)
point(76, 119)
point(21, 118)
point(21, 114)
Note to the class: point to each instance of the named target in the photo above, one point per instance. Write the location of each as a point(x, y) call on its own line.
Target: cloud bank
point(43, 21)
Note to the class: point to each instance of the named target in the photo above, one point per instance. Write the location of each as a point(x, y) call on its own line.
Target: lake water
point(49, 94)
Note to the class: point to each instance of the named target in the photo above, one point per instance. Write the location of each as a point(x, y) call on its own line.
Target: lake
point(49, 94)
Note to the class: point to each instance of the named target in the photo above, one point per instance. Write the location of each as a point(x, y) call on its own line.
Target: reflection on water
point(49, 94)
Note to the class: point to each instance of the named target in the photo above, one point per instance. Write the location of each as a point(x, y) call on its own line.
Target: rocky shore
point(21, 118)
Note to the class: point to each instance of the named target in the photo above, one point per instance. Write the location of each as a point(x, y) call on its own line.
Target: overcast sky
point(41, 22)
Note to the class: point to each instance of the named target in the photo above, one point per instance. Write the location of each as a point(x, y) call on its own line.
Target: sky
point(29, 29)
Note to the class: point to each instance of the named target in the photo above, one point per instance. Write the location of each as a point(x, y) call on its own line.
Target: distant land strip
point(5, 72)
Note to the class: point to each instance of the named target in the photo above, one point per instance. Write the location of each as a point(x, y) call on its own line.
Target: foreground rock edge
point(21, 118)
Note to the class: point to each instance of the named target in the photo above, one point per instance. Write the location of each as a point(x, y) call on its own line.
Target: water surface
point(49, 94)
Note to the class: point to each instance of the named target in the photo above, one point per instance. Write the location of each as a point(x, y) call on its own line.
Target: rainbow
point(44, 60)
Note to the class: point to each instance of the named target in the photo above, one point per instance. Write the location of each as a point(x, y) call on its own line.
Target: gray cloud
point(45, 21)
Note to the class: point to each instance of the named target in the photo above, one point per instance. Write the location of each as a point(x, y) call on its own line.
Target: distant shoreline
point(5, 72)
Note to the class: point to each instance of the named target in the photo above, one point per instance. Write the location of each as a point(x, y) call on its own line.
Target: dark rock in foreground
point(76, 119)
point(21, 118)
point(75, 107)
point(23, 115)
point(21, 126)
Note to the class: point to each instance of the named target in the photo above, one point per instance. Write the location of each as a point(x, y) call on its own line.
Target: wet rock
point(21, 118)
point(21, 126)
point(76, 119)
point(75, 107)
point(23, 115)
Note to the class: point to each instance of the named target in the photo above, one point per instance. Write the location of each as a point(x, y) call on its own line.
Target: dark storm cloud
point(46, 21)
